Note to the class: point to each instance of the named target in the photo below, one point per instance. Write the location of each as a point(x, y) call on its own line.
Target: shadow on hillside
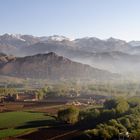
point(39, 123)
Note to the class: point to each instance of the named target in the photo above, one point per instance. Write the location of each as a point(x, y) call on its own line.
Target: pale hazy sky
point(72, 18)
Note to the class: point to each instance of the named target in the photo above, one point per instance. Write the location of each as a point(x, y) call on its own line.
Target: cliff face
point(4, 59)
point(52, 67)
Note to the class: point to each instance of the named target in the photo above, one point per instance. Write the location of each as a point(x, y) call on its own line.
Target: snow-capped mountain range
point(106, 54)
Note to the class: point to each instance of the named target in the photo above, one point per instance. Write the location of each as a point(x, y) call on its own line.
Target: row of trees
point(7, 91)
point(69, 115)
point(123, 121)
point(112, 109)
point(119, 118)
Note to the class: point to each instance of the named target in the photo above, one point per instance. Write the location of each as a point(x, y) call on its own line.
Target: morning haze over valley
point(69, 70)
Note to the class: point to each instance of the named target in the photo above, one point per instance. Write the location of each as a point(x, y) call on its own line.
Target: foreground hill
point(52, 67)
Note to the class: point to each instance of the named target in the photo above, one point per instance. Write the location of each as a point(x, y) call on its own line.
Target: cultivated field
point(31, 119)
point(16, 123)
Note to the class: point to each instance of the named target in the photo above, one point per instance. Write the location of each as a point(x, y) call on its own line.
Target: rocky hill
point(5, 59)
point(52, 67)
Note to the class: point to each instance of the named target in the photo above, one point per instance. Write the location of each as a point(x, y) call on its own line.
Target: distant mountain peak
point(134, 43)
point(56, 38)
point(113, 39)
point(12, 36)
point(88, 38)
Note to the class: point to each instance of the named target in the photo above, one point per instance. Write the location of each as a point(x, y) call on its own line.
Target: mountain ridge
point(52, 67)
point(106, 54)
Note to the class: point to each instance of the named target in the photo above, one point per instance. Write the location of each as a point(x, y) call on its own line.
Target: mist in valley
point(69, 70)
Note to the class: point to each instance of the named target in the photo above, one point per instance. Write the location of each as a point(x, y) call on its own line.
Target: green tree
point(135, 134)
point(89, 114)
point(110, 104)
point(69, 115)
point(40, 94)
point(126, 122)
point(120, 105)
